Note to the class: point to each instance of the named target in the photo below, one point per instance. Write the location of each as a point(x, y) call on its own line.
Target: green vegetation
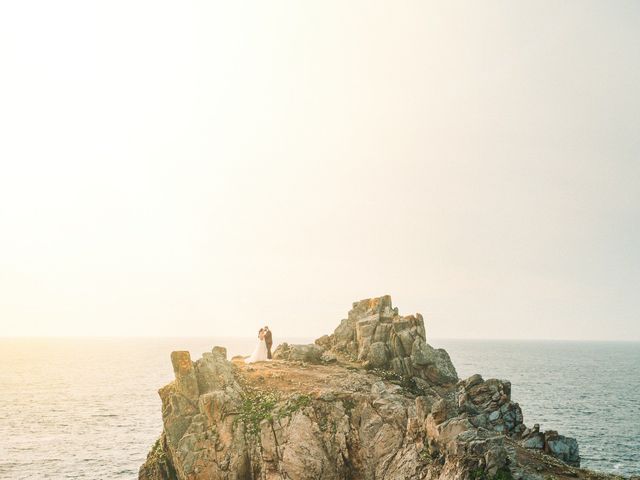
point(408, 384)
point(349, 404)
point(425, 455)
point(157, 451)
point(293, 404)
point(158, 460)
point(258, 406)
point(503, 475)
point(481, 474)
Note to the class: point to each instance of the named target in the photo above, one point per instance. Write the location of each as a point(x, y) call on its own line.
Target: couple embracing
point(263, 349)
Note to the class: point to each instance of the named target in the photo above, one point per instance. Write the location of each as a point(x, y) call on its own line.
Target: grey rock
point(378, 356)
point(561, 447)
point(481, 421)
point(310, 353)
point(534, 441)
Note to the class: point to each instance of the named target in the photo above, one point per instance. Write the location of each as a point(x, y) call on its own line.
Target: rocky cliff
point(373, 400)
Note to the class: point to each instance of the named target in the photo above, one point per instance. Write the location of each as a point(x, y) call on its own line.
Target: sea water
point(88, 408)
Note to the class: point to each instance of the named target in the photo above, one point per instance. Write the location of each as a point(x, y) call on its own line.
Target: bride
point(260, 353)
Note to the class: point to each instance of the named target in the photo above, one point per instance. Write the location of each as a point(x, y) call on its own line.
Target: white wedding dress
point(259, 354)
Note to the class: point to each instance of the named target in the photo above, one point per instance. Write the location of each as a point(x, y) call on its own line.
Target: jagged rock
point(489, 404)
point(376, 335)
point(289, 420)
point(564, 448)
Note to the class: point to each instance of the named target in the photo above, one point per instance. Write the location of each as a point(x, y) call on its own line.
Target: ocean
point(88, 408)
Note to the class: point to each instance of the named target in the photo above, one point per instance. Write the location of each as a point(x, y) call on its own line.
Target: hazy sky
point(203, 168)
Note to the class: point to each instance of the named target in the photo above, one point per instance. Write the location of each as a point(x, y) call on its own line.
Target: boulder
point(310, 353)
point(535, 441)
point(490, 405)
point(561, 447)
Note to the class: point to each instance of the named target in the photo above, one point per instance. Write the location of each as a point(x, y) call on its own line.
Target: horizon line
point(222, 337)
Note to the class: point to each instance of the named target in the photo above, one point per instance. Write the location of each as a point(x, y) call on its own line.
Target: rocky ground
point(371, 401)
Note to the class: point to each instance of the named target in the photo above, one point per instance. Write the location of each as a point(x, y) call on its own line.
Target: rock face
point(376, 335)
point(371, 401)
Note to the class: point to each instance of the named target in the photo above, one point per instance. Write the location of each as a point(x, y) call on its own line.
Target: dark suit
point(268, 339)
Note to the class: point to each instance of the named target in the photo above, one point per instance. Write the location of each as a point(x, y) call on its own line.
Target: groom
point(268, 339)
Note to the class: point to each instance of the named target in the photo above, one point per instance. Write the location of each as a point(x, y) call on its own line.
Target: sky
point(172, 168)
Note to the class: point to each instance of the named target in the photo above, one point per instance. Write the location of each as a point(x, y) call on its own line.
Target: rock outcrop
point(371, 401)
point(376, 335)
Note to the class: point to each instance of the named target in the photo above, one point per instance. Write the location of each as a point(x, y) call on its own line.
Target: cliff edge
point(373, 400)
